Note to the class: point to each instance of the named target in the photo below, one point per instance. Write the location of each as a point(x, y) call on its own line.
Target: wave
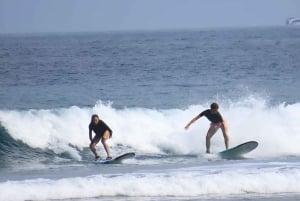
point(65, 130)
point(196, 181)
point(13, 153)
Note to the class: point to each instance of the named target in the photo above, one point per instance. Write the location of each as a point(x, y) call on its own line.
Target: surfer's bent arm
point(192, 121)
point(90, 134)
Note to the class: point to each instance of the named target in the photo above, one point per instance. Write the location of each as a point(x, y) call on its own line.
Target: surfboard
point(117, 159)
point(237, 152)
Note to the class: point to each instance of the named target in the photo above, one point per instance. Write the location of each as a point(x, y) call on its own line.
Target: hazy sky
point(99, 15)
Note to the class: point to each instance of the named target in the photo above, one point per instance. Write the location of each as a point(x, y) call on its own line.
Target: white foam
point(222, 181)
point(276, 128)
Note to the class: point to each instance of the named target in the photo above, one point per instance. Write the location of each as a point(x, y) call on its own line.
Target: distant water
point(146, 86)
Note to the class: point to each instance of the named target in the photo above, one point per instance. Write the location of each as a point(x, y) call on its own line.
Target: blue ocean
point(147, 85)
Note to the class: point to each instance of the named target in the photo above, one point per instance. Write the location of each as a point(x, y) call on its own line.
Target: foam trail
point(276, 128)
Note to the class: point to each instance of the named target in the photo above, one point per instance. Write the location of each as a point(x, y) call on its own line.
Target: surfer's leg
point(225, 133)
point(93, 144)
point(105, 137)
point(211, 131)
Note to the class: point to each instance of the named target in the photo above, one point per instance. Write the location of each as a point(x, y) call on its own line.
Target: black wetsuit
point(214, 118)
point(100, 128)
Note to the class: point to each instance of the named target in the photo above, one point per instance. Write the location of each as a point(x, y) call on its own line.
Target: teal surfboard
point(117, 159)
point(238, 151)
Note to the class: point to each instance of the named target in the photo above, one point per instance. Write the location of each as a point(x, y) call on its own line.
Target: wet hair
point(214, 106)
point(93, 116)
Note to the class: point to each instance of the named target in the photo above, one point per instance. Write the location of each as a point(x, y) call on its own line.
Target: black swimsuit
point(214, 118)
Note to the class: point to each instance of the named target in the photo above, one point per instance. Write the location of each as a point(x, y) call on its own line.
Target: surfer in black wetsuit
point(217, 122)
point(102, 132)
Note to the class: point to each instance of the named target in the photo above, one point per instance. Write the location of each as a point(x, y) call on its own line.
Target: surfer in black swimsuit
point(102, 132)
point(217, 122)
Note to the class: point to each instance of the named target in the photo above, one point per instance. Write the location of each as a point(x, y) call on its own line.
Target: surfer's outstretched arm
point(192, 121)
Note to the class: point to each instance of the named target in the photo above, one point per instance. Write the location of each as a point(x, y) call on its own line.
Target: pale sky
point(31, 16)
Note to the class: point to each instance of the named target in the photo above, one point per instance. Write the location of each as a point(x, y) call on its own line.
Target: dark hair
point(214, 106)
point(93, 116)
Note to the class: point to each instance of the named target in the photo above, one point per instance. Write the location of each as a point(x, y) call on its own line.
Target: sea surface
point(147, 85)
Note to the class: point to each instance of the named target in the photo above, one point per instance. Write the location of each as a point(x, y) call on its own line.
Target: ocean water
point(147, 86)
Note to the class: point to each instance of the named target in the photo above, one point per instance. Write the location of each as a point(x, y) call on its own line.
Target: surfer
point(217, 121)
point(102, 132)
